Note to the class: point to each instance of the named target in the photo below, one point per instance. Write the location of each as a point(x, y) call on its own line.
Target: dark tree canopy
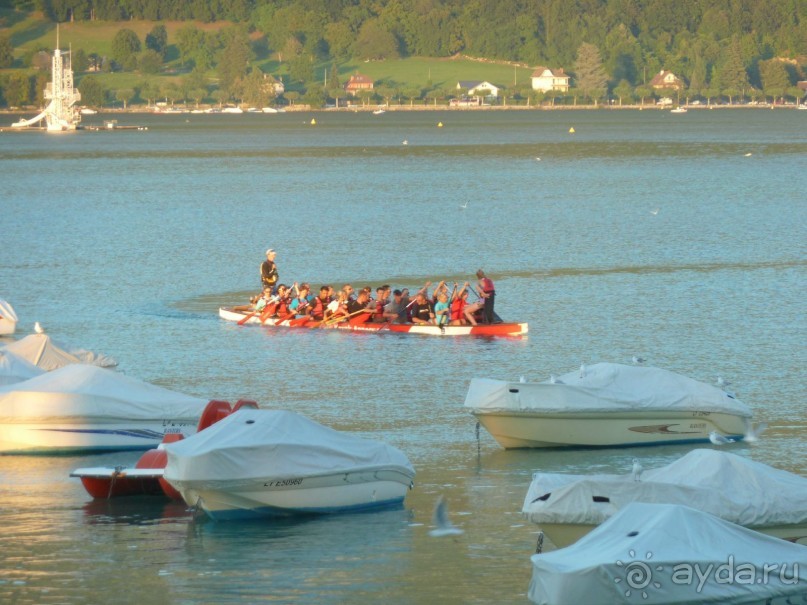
point(6, 51)
point(718, 45)
point(157, 40)
point(92, 92)
point(125, 48)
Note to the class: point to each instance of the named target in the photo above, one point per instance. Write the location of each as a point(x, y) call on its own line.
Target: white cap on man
point(270, 251)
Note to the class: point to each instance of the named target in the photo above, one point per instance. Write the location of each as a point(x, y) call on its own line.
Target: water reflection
point(136, 510)
point(283, 559)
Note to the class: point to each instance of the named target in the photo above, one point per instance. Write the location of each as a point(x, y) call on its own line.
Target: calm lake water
point(679, 238)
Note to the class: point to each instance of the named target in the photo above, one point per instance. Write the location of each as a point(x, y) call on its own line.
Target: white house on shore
point(474, 86)
point(667, 80)
point(544, 79)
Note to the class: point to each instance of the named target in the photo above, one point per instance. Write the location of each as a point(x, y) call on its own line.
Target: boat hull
point(7, 326)
point(272, 497)
point(530, 430)
point(500, 329)
point(102, 482)
point(565, 534)
point(69, 438)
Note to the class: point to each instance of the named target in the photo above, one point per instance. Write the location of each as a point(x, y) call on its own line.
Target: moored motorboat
point(496, 329)
point(734, 488)
point(86, 408)
point(8, 318)
point(40, 350)
point(605, 405)
point(671, 554)
point(14, 369)
point(257, 463)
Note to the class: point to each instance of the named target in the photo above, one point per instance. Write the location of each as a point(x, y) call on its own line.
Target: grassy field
point(30, 33)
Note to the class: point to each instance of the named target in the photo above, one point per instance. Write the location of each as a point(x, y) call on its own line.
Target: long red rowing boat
point(499, 329)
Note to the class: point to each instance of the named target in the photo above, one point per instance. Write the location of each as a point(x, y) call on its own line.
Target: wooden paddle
point(246, 318)
point(341, 318)
point(270, 310)
point(291, 314)
point(267, 313)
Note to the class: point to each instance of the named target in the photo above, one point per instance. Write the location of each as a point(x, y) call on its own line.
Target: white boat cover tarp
point(732, 487)
point(605, 387)
point(275, 443)
point(8, 318)
point(648, 553)
point(41, 351)
point(15, 369)
point(7, 311)
point(82, 392)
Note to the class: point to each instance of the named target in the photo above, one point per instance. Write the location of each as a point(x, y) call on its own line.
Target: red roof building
point(358, 82)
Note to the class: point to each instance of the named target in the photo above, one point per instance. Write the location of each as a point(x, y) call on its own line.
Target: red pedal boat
point(146, 478)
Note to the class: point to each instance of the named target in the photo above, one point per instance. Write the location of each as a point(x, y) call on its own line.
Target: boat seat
point(245, 403)
point(213, 412)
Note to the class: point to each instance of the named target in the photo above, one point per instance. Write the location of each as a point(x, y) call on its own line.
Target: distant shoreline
point(408, 108)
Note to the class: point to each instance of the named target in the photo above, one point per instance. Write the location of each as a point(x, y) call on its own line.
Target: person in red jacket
point(487, 292)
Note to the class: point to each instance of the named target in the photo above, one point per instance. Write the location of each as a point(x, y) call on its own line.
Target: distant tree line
point(634, 36)
point(612, 48)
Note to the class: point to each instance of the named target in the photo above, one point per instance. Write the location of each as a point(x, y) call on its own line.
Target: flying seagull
point(718, 439)
point(654, 212)
point(464, 206)
point(637, 469)
point(754, 431)
point(442, 524)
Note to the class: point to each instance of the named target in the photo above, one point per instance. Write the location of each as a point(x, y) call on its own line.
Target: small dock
point(111, 125)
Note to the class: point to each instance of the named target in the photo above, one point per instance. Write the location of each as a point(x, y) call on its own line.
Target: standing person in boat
point(422, 310)
point(487, 292)
point(269, 273)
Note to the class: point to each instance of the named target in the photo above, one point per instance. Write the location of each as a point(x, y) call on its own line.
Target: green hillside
point(224, 52)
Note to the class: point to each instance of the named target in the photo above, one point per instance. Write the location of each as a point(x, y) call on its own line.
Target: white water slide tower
point(61, 113)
